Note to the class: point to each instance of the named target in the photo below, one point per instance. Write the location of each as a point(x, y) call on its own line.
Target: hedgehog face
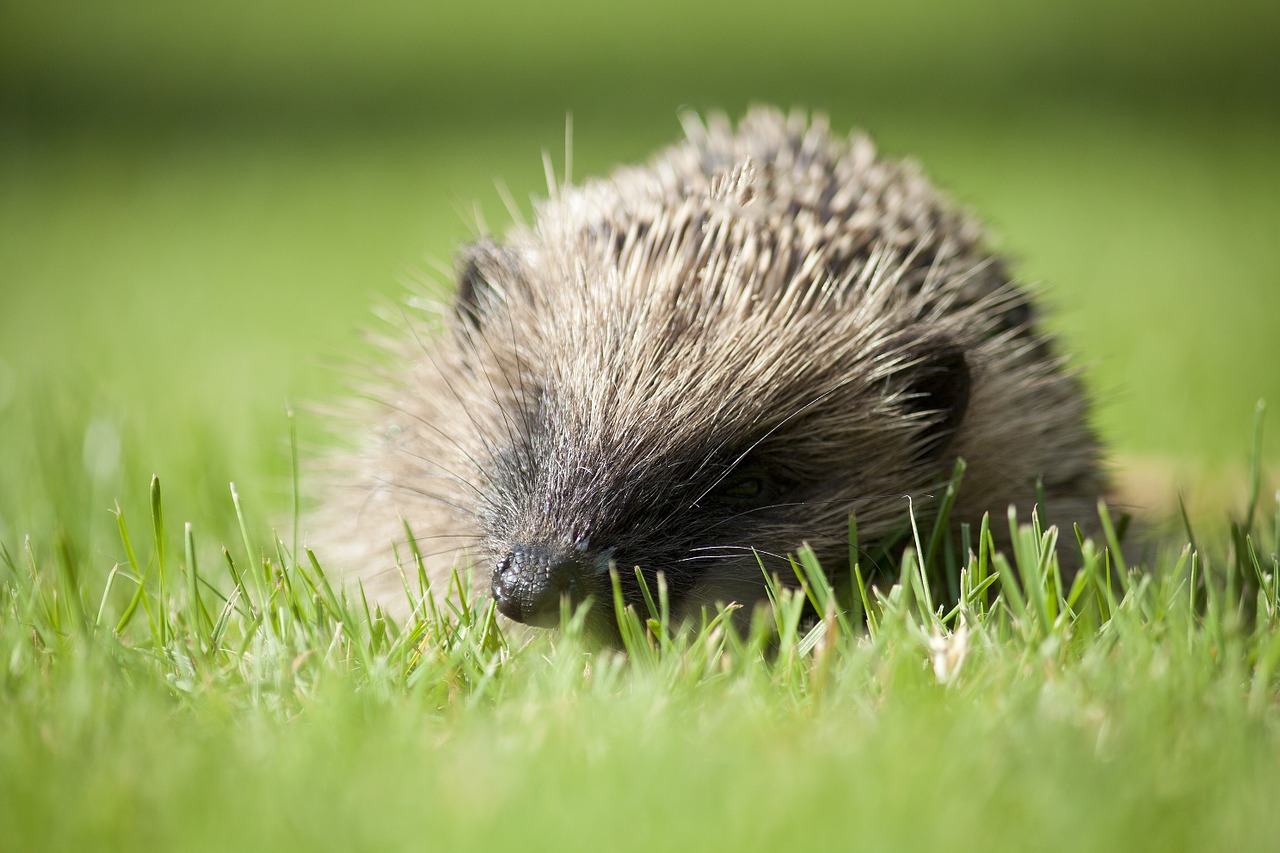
point(612, 453)
point(704, 517)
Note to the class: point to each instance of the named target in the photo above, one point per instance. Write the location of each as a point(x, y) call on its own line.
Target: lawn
point(197, 210)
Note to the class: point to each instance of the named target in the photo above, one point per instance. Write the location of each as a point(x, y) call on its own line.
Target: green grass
point(203, 702)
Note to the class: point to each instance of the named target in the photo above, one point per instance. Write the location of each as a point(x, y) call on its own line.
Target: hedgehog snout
point(530, 579)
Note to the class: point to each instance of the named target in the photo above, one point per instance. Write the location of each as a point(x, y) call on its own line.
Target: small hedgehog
point(696, 366)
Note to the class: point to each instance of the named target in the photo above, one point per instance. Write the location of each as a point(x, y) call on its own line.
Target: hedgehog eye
point(743, 488)
point(746, 485)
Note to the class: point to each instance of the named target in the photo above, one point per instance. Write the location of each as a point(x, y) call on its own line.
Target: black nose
point(530, 580)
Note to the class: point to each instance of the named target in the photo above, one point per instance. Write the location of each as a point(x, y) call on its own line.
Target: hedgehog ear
point(937, 389)
point(480, 265)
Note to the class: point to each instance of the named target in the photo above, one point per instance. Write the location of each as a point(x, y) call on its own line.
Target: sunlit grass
point(206, 695)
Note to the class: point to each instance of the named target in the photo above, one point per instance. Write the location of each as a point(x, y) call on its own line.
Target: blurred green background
point(198, 203)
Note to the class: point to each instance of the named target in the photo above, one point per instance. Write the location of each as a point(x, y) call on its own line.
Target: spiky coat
point(707, 361)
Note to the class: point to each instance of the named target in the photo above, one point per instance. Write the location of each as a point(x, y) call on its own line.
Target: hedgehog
point(692, 368)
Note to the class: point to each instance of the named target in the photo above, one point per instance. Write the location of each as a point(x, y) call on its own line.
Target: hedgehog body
point(698, 365)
